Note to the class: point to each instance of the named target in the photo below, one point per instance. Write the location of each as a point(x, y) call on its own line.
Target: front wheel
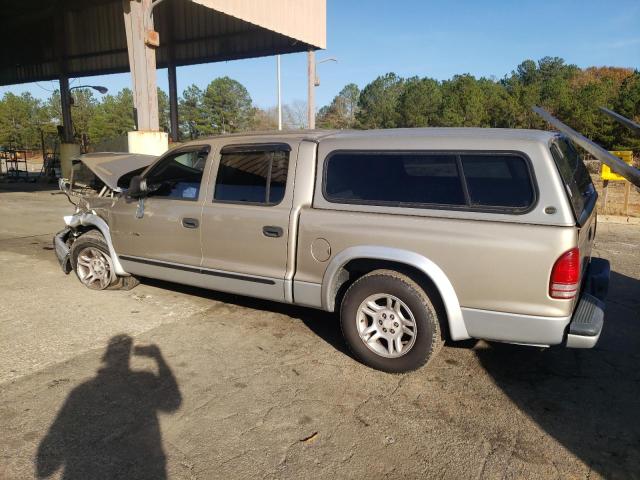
point(91, 261)
point(389, 322)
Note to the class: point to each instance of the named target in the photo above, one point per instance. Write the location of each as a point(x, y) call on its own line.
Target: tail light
point(565, 276)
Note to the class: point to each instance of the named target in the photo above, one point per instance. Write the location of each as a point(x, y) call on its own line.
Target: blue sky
point(425, 38)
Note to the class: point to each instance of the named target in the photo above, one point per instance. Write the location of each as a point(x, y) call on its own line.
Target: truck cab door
point(162, 230)
point(245, 220)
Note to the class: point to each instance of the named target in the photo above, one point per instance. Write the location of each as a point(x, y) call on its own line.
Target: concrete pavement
point(240, 388)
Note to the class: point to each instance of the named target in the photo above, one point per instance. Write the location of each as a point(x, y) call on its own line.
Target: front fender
point(89, 219)
point(331, 276)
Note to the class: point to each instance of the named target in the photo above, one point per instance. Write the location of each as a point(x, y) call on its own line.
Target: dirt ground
point(239, 388)
point(615, 199)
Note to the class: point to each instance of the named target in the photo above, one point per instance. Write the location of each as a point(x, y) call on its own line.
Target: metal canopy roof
point(40, 37)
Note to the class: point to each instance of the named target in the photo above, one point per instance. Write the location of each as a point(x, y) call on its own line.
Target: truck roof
point(431, 133)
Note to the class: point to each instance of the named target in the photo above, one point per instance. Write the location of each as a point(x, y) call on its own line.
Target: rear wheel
point(389, 322)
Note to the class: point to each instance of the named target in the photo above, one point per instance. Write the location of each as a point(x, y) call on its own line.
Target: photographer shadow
point(108, 426)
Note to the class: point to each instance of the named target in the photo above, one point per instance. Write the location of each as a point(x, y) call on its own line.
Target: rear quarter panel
point(492, 265)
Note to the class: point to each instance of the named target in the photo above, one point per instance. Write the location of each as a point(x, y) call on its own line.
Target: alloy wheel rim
point(386, 325)
point(94, 268)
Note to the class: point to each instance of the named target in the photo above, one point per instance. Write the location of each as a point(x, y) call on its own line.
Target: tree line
point(570, 93)
point(389, 101)
point(224, 106)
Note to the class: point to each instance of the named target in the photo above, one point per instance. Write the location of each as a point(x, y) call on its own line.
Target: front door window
point(178, 176)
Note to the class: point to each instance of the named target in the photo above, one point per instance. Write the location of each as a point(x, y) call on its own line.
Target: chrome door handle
point(271, 231)
point(190, 223)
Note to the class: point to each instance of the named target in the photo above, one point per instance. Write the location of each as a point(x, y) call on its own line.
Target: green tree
point(193, 122)
point(227, 106)
point(378, 103)
point(546, 83)
point(502, 109)
point(463, 103)
point(627, 103)
point(22, 117)
point(341, 112)
point(163, 111)
point(83, 109)
point(420, 102)
point(113, 117)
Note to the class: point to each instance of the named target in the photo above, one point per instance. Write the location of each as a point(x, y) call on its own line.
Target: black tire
point(94, 239)
point(125, 283)
point(428, 337)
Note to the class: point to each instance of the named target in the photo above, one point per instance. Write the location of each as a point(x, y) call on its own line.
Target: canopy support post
point(142, 40)
point(173, 103)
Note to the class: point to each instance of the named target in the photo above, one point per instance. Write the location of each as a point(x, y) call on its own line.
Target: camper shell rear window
point(580, 190)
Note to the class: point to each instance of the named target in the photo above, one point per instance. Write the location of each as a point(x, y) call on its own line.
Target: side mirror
point(137, 187)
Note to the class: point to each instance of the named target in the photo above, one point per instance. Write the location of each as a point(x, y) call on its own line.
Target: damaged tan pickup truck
point(414, 235)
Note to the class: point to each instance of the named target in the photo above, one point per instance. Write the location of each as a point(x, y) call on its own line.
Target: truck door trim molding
point(89, 219)
point(331, 276)
point(197, 269)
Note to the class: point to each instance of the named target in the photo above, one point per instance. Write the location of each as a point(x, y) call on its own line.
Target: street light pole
point(67, 100)
point(97, 88)
point(311, 72)
point(279, 94)
point(68, 149)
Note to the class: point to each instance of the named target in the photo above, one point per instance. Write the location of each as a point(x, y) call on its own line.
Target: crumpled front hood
point(109, 167)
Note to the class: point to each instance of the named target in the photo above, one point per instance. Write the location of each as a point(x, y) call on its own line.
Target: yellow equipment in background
point(626, 156)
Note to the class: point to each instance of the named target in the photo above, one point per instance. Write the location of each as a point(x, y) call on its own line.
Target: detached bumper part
point(588, 318)
point(62, 250)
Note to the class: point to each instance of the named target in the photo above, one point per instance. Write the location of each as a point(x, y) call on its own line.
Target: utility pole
point(279, 93)
point(314, 81)
point(311, 72)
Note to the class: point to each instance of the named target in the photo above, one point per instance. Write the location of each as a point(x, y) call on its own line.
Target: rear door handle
point(271, 231)
point(190, 223)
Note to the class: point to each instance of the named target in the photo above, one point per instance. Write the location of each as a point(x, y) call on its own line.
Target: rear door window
point(253, 176)
point(574, 174)
point(485, 181)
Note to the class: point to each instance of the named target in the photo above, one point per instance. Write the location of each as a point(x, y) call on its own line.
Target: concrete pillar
point(68, 152)
point(142, 40)
point(148, 142)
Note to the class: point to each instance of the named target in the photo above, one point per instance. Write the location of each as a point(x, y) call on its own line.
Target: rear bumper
point(588, 318)
point(580, 330)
